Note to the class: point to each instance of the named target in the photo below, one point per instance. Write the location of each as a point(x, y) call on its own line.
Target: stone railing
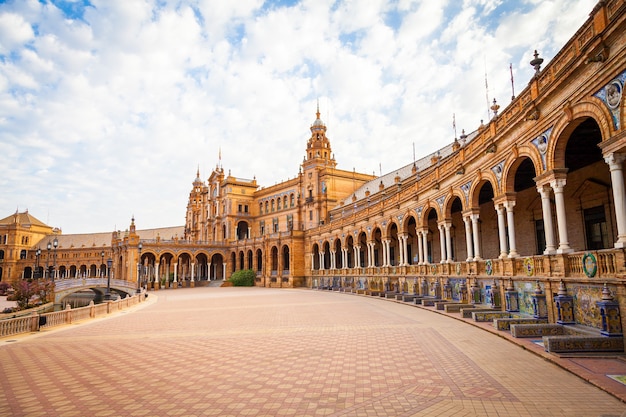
point(589, 264)
point(35, 322)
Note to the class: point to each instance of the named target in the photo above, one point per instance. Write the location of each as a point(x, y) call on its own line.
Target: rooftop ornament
point(536, 63)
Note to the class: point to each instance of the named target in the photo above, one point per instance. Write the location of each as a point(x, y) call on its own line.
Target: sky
point(109, 107)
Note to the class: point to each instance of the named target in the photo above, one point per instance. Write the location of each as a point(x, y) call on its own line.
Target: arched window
point(292, 198)
point(285, 202)
point(260, 208)
point(278, 203)
point(273, 206)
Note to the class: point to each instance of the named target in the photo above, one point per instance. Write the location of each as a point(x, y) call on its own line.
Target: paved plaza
point(283, 352)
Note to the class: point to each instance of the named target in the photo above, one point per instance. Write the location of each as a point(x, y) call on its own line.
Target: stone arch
point(474, 195)
point(447, 205)
point(217, 270)
point(512, 166)
point(338, 253)
point(315, 250)
point(285, 253)
point(274, 261)
point(259, 260)
point(569, 121)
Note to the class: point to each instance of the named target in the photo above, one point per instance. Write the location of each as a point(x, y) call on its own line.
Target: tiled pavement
point(270, 352)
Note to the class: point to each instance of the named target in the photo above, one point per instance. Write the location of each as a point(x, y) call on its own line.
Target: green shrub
point(244, 278)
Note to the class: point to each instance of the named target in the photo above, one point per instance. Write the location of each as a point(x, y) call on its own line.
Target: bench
point(538, 330)
point(484, 316)
point(466, 312)
point(407, 297)
point(505, 323)
point(583, 343)
point(429, 302)
point(456, 307)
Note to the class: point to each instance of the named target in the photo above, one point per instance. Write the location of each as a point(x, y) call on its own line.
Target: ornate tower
point(318, 161)
point(196, 211)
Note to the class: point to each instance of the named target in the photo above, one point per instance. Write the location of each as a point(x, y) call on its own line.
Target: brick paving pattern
point(266, 352)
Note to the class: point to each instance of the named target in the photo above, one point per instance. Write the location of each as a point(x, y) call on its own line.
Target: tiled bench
point(483, 316)
point(582, 343)
point(466, 312)
point(505, 323)
point(538, 330)
point(429, 302)
point(456, 307)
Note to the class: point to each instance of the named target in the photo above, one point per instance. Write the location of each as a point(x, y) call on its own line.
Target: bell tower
point(318, 150)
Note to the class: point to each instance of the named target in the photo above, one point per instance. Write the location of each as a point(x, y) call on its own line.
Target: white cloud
point(109, 114)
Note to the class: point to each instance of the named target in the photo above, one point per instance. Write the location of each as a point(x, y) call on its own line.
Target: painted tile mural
point(525, 290)
point(586, 311)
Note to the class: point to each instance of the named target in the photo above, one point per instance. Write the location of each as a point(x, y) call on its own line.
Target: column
point(404, 252)
point(321, 255)
point(357, 256)
point(548, 227)
point(447, 227)
point(224, 271)
point(333, 253)
point(467, 220)
point(193, 271)
point(561, 221)
point(501, 230)
point(420, 253)
point(157, 278)
point(442, 242)
point(387, 252)
point(370, 251)
point(425, 245)
point(615, 161)
point(510, 219)
point(312, 261)
point(476, 237)
point(175, 271)
point(208, 271)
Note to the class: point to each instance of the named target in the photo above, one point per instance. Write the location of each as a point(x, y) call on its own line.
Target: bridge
point(65, 287)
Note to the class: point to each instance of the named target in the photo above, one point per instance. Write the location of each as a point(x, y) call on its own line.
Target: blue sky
point(108, 107)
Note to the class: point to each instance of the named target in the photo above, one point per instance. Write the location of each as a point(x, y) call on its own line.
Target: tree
point(29, 293)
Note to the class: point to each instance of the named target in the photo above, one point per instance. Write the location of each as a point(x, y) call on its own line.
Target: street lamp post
point(48, 246)
point(107, 296)
point(37, 255)
point(55, 244)
point(139, 247)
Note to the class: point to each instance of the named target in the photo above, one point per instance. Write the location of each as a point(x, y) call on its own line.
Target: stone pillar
point(468, 238)
point(322, 266)
point(442, 242)
point(193, 273)
point(476, 237)
point(357, 256)
point(475, 294)
point(610, 313)
point(557, 186)
point(511, 298)
point(157, 278)
point(175, 273)
point(615, 161)
point(224, 271)
point(496, 298)
point(424, 286)
point(501, 230)
point(425, 245)
point(564, 306)
point(447, 226)
point(420, 250)
point(333, 253)
point(510, 218)
point(546, 209)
